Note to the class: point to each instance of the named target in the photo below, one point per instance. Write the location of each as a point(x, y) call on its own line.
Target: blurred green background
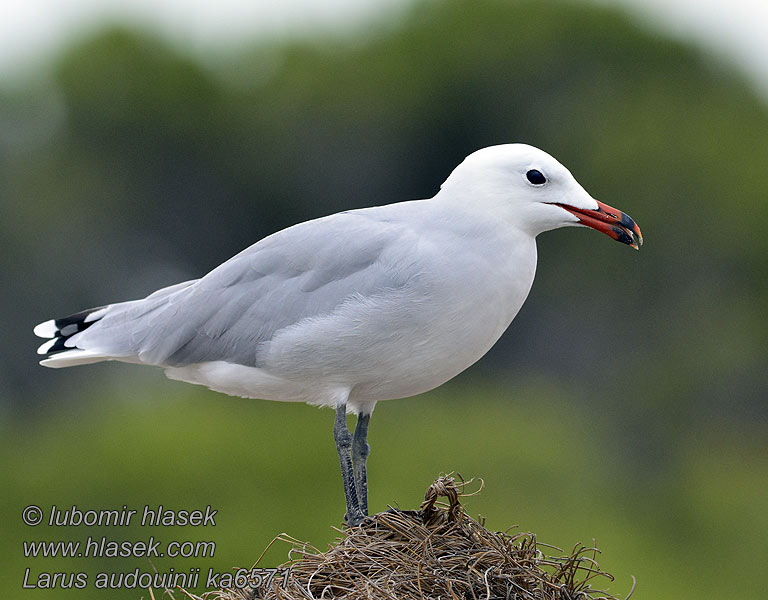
point(627, 401)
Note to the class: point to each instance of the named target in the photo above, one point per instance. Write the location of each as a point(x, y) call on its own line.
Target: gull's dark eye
point(536, 177)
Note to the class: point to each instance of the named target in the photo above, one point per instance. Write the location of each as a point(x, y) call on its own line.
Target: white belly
point(384, 347)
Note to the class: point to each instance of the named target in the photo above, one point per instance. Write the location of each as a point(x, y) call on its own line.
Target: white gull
point(357, 307)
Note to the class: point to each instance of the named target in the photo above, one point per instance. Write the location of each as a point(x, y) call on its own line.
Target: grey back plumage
point(299, 273)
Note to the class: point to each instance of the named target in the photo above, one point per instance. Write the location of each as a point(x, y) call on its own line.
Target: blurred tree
point(631, 386)
point(159, 169)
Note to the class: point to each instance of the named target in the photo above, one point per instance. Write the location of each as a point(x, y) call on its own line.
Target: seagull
point(360, 306)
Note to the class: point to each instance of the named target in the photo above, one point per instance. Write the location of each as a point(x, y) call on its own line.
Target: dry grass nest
point(434, 552)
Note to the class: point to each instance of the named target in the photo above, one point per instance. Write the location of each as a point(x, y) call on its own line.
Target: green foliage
point(147, 149)
point(131, 166)
point(270, 468)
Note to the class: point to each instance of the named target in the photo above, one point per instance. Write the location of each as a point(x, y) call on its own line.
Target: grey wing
point(298, 273)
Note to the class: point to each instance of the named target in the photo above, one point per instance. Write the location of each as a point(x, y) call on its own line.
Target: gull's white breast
point(464, 278)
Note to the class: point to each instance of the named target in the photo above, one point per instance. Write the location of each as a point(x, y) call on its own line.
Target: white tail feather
point(72, 358)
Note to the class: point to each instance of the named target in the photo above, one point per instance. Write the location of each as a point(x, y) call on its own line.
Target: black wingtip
point(57, 346)
point(60, 330)
point(76, 322)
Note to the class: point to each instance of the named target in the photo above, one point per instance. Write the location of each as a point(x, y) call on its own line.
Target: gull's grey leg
point(360, 451)
point(344, 446)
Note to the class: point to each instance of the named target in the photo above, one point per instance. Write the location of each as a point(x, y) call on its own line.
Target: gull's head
point(528, 188)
